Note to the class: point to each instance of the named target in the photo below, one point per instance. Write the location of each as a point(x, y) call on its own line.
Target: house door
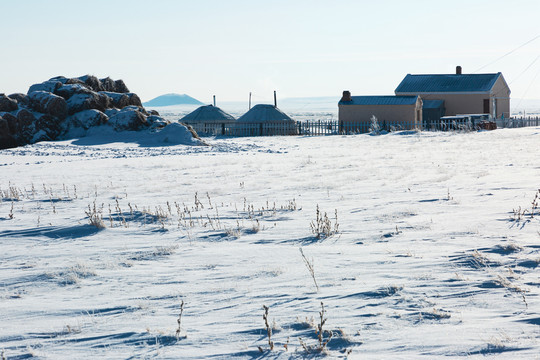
point(486, 106)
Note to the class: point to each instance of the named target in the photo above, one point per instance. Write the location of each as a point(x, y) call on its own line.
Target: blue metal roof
point(433, 104)
point(447, 83)
point(381, 100)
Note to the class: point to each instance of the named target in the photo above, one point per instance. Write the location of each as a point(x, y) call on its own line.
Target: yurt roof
point(264, 113)
point(208, 113)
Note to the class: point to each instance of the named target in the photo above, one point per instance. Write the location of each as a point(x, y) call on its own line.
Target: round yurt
point(263, 120)
point(209, 119)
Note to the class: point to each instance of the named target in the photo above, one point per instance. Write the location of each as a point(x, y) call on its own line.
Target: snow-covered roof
point(208, 114)
point(264, 113)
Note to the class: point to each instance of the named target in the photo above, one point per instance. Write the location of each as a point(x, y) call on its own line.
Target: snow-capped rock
point(85, 101)
point(118, 100)
point(128, 119)
point(46, 86)
point(48, 103)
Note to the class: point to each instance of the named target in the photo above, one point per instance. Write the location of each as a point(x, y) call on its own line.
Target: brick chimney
point(458, 70)
point(346, 96)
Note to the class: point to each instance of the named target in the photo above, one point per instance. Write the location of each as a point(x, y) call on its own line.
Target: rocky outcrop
point(62, 107)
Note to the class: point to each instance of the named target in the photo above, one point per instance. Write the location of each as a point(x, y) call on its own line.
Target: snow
point(430, 260)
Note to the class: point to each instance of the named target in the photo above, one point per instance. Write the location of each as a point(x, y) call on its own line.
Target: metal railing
point(518, 122)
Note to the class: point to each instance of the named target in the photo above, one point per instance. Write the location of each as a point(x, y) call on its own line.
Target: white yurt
point(209, 119)
point(264, 120)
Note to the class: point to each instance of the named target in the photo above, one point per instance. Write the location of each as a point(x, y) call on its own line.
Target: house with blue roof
point(461, 93)
point(403, 112)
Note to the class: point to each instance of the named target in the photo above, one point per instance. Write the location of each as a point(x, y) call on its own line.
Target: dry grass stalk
point(320, 330)
point(268, 329)
point(310, 267)
point(179, 321)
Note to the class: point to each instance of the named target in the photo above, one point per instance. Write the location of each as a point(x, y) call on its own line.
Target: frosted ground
point(431, 259)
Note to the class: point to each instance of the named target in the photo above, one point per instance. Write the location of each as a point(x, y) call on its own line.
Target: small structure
point(265, 120)
point(208, 114)
point(209, 119)
point(462, 93)
point(401, 112)
point(432, 112)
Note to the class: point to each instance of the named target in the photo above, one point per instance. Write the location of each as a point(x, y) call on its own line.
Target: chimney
point(346, 96)
point(275, 99)
point(458, 70)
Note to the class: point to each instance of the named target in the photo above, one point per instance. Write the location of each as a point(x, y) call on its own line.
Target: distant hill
point(172, 99)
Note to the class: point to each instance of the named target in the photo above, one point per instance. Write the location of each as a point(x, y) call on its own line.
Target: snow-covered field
point(429, 259)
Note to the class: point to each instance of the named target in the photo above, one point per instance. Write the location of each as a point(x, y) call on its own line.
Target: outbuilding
point(356, 113)
point(265, 119)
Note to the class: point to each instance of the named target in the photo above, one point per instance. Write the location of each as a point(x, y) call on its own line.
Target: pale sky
point(229, 48)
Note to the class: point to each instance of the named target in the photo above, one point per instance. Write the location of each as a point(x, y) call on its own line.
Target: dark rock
point(47, 86)
point(121, 87)
point(76, 81)
point(86, 119)
point(12, 122)
point(108, 84)
point(111, 112)
point(25, 119)
point(4, 127)
point(134, 99)
point(6, 139)
point(92, 81)
point(117, 100)
point(7, 104)
point(86, 101)
point(26, 122)
point(21, 99)
point(137, 108)
point(153, 112)
point(128, 119)
point(45, 102)
point(48, 125)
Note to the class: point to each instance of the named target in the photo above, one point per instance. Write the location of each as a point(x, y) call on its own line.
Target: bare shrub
point(322, 226)
point(95, 216)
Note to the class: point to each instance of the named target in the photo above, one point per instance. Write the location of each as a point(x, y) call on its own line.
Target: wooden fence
point(334, 127)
